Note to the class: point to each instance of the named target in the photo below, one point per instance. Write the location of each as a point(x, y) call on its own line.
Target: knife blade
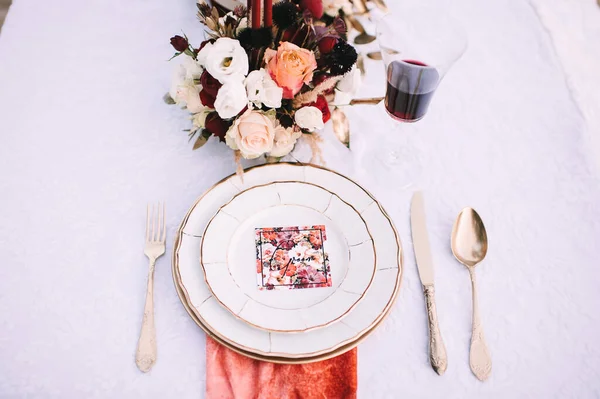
point(420, 239)
point(437, 350)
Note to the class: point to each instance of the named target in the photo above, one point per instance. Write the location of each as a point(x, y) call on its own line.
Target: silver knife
point(437, 350)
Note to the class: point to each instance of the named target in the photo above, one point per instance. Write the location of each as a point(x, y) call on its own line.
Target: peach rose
point(290, 67)
point(252, 133)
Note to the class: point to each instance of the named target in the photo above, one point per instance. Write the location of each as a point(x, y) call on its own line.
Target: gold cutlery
point(418, 226)
point(469, 246)
point(156, 234)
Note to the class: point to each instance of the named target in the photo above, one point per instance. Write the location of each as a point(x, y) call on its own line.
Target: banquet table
point(86, 141)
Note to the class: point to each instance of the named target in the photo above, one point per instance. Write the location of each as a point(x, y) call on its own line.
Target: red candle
point(268, 13)
point(255, 14)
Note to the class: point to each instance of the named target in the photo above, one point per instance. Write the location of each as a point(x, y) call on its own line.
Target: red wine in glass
point(410, 86)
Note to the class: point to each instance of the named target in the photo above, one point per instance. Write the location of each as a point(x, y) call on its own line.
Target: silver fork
point(156, 234)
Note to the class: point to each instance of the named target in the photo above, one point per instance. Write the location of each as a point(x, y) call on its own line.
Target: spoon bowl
point(469, 239)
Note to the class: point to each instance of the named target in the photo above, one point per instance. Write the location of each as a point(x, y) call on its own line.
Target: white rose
point(309, 118)
point(193, 70)
point(252, 134)
point(199, 119)
point(225, 60)
point(192, 99)
point(189, 94)
point(177, 82)
point(347, 87)
point(350, 82)
point(285, 140)
point(231, 99)
point(262, 89)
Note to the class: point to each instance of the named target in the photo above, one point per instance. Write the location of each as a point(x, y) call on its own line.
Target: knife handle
point(437, 350)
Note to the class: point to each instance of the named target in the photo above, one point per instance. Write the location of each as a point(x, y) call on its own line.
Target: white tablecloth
point(86, 142)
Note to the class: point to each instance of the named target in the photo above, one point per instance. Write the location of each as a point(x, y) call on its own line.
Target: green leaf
point(174, 55)
point(167, 99)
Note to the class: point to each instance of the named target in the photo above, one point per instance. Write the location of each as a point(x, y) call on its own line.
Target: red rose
point(288, 34)
point(320, 78)
point(207, 100)
point(216, 125)
point(210, 84)
point(301, 35)
point(179, 43)
point(326, 44)
point(314, 6)
point(321, 103)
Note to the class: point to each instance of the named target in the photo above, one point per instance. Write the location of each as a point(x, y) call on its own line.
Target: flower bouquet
point(262, 81)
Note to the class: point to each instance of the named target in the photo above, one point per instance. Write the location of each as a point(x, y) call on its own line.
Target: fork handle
point(146, 350)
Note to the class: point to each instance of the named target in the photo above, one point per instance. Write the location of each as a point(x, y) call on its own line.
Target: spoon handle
point(480, 359)
point(437, 350)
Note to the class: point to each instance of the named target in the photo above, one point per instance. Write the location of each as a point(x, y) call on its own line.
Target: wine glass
point(418, 48)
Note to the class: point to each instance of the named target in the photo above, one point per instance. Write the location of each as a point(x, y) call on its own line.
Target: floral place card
point(291, 258)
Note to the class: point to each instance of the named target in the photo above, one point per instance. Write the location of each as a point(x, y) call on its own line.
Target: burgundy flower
point(326, 44)
point(216, 125)
point(320, 78)
point(289, 33)
point(323, 106)
point(179, 43)
point(210, 84)
point(207, 100)
point(314, 6)
point(301, 35)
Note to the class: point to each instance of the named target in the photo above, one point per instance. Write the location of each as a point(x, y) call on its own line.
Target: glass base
point(394, 117)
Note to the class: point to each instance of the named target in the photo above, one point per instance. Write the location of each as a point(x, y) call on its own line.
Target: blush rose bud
point(179, 43)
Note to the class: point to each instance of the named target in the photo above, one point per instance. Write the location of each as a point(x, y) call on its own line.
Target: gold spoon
point(469, 246)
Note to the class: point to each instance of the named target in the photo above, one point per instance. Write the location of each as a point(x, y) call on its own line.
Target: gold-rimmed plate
point(288, 256)
point(283, 347)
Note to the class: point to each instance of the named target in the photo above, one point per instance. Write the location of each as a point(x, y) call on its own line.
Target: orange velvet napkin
point(230, 375)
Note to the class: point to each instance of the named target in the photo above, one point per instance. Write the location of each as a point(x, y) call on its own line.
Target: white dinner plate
point(288, 256)
point(317, 344)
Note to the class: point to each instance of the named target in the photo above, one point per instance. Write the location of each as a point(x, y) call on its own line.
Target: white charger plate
point(228, 255)
point(282, 347)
